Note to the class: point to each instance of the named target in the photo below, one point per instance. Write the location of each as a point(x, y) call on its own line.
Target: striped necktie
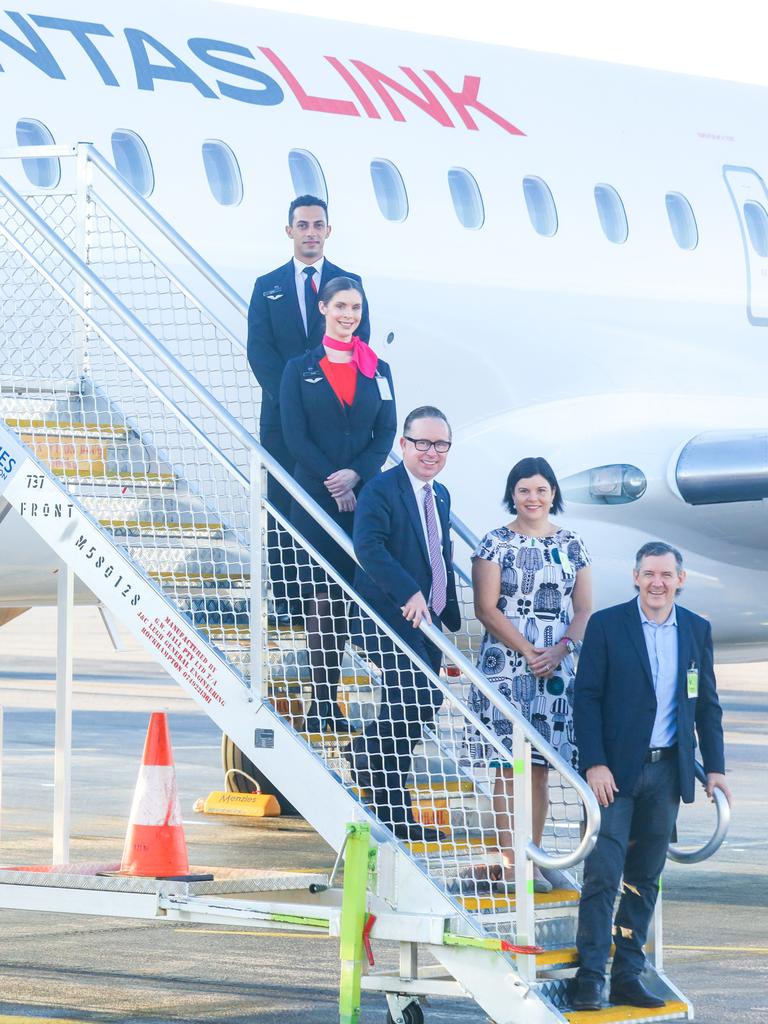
point(435, 553)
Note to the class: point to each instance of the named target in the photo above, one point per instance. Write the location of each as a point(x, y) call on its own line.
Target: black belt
point(660, 754)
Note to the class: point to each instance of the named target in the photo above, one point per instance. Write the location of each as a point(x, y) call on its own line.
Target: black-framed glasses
point(421, 444)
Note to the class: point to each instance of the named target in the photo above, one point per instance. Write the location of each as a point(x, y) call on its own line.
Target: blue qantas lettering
point(155, 62)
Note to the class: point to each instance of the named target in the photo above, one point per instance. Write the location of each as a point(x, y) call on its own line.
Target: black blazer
point(615, 703)
point(322, 434)
point(392, 550)
point(276, 331)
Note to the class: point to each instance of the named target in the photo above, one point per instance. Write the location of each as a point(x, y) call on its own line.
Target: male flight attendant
point(284, 321)
point(645, 682)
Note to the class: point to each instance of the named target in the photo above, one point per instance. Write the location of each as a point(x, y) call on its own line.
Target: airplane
point(570, 258)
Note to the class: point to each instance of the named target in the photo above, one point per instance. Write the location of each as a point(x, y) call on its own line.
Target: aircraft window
point(43, 172)
point(682, 220)
point(223, 173)
point(467, 201)
point(132, 161)
point(613, 218)
point(541, 206)
point(306, 174)
point(757, 226)
point(389, 190)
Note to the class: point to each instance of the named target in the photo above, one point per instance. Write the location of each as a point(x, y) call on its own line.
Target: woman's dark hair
point(533, 466)
point(339, 284)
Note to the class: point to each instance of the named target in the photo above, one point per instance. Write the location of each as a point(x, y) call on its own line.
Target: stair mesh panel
point(141, 470)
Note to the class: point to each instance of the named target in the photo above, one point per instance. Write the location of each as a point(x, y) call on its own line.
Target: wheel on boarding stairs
point(412, 1014)
point(234, 760)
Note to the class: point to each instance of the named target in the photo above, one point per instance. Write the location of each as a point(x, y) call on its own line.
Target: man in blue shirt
point(645, 682)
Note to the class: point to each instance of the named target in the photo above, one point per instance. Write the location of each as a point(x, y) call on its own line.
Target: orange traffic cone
point(154, 843)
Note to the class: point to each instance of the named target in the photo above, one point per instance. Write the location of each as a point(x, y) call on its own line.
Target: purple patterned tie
point(435, 553)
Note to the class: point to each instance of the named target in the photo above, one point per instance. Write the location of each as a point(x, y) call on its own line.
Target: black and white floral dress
point(538, 575)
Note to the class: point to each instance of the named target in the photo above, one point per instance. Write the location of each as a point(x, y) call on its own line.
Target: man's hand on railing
point(716, 780)
point(602, 783)
point(415, 609)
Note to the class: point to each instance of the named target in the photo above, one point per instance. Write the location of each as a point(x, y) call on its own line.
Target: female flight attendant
point(339, 421)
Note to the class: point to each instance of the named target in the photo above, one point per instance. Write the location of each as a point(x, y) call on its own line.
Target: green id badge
point(692, 679)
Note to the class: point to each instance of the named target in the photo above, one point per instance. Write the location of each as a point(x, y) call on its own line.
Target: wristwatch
point(570, 645)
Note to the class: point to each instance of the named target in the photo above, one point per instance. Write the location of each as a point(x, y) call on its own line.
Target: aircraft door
point(750, 200)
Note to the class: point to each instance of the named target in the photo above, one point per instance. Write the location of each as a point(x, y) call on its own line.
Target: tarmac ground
point(99, 969)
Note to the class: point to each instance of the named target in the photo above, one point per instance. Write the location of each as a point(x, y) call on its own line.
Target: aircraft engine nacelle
point(723, 466)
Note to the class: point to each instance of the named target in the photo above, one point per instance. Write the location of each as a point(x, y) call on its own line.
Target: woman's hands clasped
point(341, 486)
point(544, 661)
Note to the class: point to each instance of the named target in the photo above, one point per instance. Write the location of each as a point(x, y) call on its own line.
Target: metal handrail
point(166, 229)
point(223, 287)
point(681, 854)
point(236, 429)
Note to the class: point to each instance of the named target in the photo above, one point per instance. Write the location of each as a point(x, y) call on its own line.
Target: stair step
point(122, 479)
point(504, 904)
point(672, 1010)
point(162, 527)
point(67, 427)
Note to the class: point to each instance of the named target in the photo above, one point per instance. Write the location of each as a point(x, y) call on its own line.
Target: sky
point(715, 38)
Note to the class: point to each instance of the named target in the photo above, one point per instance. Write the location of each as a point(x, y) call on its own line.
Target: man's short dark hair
point(535, 465)
point(655, 549)
point(425, 412)
point(306, 201)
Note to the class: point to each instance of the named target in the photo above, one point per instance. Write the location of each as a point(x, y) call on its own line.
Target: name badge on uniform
point(561, 557)
point(692, 681)
point(312, 375)
point(385, 391)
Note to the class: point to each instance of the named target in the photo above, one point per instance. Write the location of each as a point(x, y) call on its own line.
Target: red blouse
point(342, 377)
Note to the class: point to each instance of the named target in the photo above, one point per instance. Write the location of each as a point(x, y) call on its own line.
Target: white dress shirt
point(300, 279)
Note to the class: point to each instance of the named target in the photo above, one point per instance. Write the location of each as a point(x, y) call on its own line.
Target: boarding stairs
point(127, 424)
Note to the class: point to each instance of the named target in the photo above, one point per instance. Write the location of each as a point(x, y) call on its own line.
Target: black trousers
point(409, 701)
point(281, 554)
point(635, 832)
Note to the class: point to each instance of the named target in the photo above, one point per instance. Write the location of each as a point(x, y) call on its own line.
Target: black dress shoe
point(313, 722)
point(586, 994)
point(412, 832)
point(337, 722)
point(632, 992)
point(279, 614)
point(360, 768)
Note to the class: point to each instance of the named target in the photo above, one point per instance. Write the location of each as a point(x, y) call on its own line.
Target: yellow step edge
point(185, 578)
point(67, 427)
point(448, 845)
point(612, 1014)
point(420, 790)
point(141, 524)
point(330, 739)
point(567, 955)
point(134, 478)
point(500, 904)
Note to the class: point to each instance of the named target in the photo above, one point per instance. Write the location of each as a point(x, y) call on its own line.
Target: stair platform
point(673, 1010)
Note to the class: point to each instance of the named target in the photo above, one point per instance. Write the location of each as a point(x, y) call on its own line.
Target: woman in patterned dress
point(533, 595)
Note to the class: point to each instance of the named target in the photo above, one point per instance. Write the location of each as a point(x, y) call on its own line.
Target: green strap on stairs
point(353, 918)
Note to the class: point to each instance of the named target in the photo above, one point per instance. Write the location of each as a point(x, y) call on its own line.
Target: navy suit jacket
point(392, 549)
point(615, 703)
point(322, 434)
point(276, 331)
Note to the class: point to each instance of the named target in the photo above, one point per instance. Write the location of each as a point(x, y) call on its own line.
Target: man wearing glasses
point(402, 541)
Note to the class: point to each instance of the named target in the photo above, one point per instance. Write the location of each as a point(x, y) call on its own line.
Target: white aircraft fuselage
point(566, 344)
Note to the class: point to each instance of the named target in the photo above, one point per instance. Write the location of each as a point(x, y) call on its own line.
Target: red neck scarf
point(363, 356)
